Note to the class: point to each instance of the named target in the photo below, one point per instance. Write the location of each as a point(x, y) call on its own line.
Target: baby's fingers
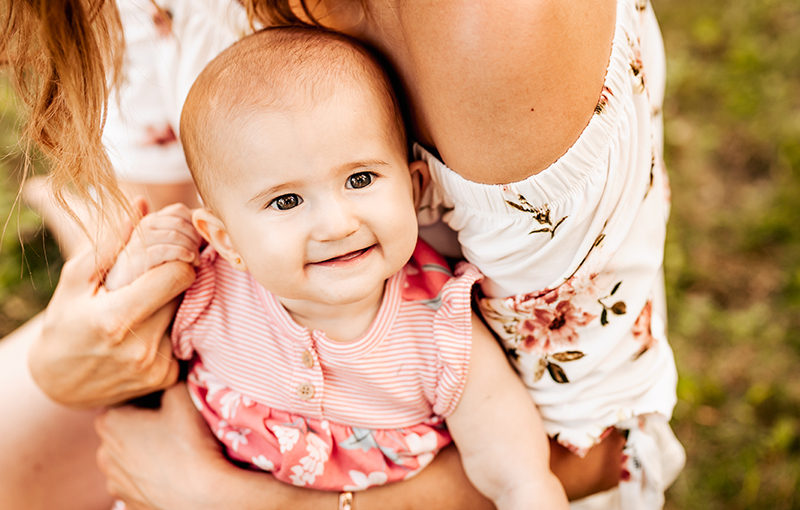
point(177, 209)
point(161, 230)
point(162, 253)
point(161, 227)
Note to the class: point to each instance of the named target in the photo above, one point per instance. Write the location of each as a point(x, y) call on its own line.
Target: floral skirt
point(313, 453)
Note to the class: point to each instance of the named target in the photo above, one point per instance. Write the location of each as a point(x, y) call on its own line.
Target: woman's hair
point(63, 54)
point(279, 12)
point(64, 57)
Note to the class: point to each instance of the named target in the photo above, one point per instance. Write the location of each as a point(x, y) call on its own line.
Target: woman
point(500, 91)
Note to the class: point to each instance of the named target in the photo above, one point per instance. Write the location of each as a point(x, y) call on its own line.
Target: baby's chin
point(345, 299)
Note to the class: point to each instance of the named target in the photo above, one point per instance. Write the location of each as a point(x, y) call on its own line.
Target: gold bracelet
point(346, 501)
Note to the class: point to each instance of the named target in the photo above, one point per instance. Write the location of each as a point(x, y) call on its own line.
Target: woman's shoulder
point(503, 89)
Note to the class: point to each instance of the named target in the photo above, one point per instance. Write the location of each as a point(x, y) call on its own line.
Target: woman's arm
point(502, 89)
point(168, 460)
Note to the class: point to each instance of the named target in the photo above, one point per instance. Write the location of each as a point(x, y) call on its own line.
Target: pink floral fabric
point(310, 452)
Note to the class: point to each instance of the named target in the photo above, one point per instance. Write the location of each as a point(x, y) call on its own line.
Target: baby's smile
point(348, 259)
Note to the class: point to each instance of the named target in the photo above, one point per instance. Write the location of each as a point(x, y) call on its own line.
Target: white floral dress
point(572, 259)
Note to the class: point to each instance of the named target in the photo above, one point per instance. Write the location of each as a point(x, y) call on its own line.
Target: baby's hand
point(162, 236)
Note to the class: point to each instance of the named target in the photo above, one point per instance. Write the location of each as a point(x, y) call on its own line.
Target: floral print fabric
point(572, 259)
point(166, 47)
point(309, 452)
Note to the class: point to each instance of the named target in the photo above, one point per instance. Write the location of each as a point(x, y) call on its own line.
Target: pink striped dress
point(323, 414)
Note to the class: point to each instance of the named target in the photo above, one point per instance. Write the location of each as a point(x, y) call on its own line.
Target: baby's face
point(321, 204)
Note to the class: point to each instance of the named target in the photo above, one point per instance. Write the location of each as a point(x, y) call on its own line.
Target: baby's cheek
point(406, 233)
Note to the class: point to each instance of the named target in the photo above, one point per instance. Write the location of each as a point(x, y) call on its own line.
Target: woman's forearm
point(168, 459)
point(441, 485)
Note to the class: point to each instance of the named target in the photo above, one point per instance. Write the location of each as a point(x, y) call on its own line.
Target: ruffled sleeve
point(453, 337)
point(195, 301)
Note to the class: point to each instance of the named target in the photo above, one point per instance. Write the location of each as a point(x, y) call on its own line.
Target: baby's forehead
point(260, 106)
point(266, 129)
point(287, 70)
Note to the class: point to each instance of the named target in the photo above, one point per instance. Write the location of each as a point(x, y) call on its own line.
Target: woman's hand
point(157, 459)
point(100, 347)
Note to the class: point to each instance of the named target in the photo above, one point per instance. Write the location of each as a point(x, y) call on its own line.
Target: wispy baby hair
point(279, 69)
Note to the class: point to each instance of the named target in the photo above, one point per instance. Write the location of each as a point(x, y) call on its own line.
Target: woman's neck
point(341, 323)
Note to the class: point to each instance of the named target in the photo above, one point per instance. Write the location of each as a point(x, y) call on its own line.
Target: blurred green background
point(732, 256)
point(29, 260)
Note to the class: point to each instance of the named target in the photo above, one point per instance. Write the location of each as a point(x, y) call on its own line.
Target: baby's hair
point(279, 69)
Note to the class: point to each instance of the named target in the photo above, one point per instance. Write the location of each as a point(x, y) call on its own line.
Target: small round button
point(308, 359)
point(305, 391)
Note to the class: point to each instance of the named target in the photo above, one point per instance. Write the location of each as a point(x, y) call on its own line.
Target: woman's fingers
point(98, 348)
point(119, 483)
point(158, 459)
point(147, 352)
point(90, 265)
point(164, 369)
point(87, 268)
point(150, 292)
point(113, 238)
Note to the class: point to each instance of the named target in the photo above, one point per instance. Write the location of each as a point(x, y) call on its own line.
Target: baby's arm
point(160, 237)
point(499, 433)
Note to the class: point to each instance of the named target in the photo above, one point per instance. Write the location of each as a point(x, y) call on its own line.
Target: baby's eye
point(360, 180)
point(285, 202)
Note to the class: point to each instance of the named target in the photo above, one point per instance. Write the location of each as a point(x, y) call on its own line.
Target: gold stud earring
point(238, 261)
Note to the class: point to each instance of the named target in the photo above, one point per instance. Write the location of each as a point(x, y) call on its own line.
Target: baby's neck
point(341, 323)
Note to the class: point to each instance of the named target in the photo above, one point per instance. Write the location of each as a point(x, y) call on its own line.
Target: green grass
point(733, 248)
point(732, 256)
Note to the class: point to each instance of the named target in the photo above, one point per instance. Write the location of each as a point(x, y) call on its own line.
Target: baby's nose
point(336, 221)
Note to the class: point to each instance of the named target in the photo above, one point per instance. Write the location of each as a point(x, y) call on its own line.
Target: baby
point(327, 344)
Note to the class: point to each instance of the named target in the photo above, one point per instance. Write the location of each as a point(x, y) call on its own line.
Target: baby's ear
point(213, 230)
point(420, 178)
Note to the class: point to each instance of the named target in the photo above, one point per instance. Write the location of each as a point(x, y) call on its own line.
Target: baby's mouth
point(347, 256)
